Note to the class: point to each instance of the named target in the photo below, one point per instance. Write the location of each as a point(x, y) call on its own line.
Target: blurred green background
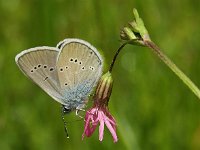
point(153, 108)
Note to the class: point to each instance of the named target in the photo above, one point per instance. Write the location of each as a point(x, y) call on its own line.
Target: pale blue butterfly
point(67, 72)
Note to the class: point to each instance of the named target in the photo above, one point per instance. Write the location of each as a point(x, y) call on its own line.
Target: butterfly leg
point(77, 113)
point(78, 109)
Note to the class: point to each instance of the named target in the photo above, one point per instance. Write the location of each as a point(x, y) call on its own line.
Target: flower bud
point(127, 34)
point(135, 32)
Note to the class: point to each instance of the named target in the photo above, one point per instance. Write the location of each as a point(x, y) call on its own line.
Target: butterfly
point(67, 72)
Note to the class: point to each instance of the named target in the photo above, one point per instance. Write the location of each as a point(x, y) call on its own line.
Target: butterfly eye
point(65, 83)
point(35, 67)
point(66, 110)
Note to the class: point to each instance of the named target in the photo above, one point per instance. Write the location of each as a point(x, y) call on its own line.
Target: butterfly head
point(66, 110)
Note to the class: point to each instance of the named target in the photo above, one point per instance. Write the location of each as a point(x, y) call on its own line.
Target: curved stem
point(117, 53)
point(115, 57)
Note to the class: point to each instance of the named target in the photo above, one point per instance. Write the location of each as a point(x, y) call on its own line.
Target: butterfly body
point(67, 73)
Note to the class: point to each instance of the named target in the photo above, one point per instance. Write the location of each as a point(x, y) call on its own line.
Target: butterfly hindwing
point(79, 68)
point(39, 64)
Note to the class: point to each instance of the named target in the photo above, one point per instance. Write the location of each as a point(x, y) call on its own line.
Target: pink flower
point(99, 113)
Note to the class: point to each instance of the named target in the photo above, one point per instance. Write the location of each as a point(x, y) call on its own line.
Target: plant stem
point(173, 67)
point(115, 56)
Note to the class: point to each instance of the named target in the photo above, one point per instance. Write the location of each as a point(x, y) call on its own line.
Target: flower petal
point(90, 124)
point(101, 127)
point(113, 122)
point(97, 115)
point(112, 130)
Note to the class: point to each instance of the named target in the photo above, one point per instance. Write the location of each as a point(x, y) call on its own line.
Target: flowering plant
point(99, 113)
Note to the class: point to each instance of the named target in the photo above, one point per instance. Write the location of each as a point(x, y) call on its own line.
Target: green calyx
point(104, 89)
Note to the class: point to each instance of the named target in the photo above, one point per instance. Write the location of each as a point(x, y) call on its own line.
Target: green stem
point(117, 53)
point(173, 67)
point(115, 56)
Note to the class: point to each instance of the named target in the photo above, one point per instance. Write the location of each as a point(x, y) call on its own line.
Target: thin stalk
point(117, 53)
point(173, 67)
point(115, 56)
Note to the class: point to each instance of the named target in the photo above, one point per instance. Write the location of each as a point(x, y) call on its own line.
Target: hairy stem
point(173, 67)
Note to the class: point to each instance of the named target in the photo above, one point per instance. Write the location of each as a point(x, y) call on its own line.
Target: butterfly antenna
point(65, 123)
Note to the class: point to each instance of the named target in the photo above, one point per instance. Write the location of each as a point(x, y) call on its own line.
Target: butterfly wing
point(39, 64)
point(79, 68)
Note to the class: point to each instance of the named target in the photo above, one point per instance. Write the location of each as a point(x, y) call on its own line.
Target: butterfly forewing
point(79, 67)
point(39, 64)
